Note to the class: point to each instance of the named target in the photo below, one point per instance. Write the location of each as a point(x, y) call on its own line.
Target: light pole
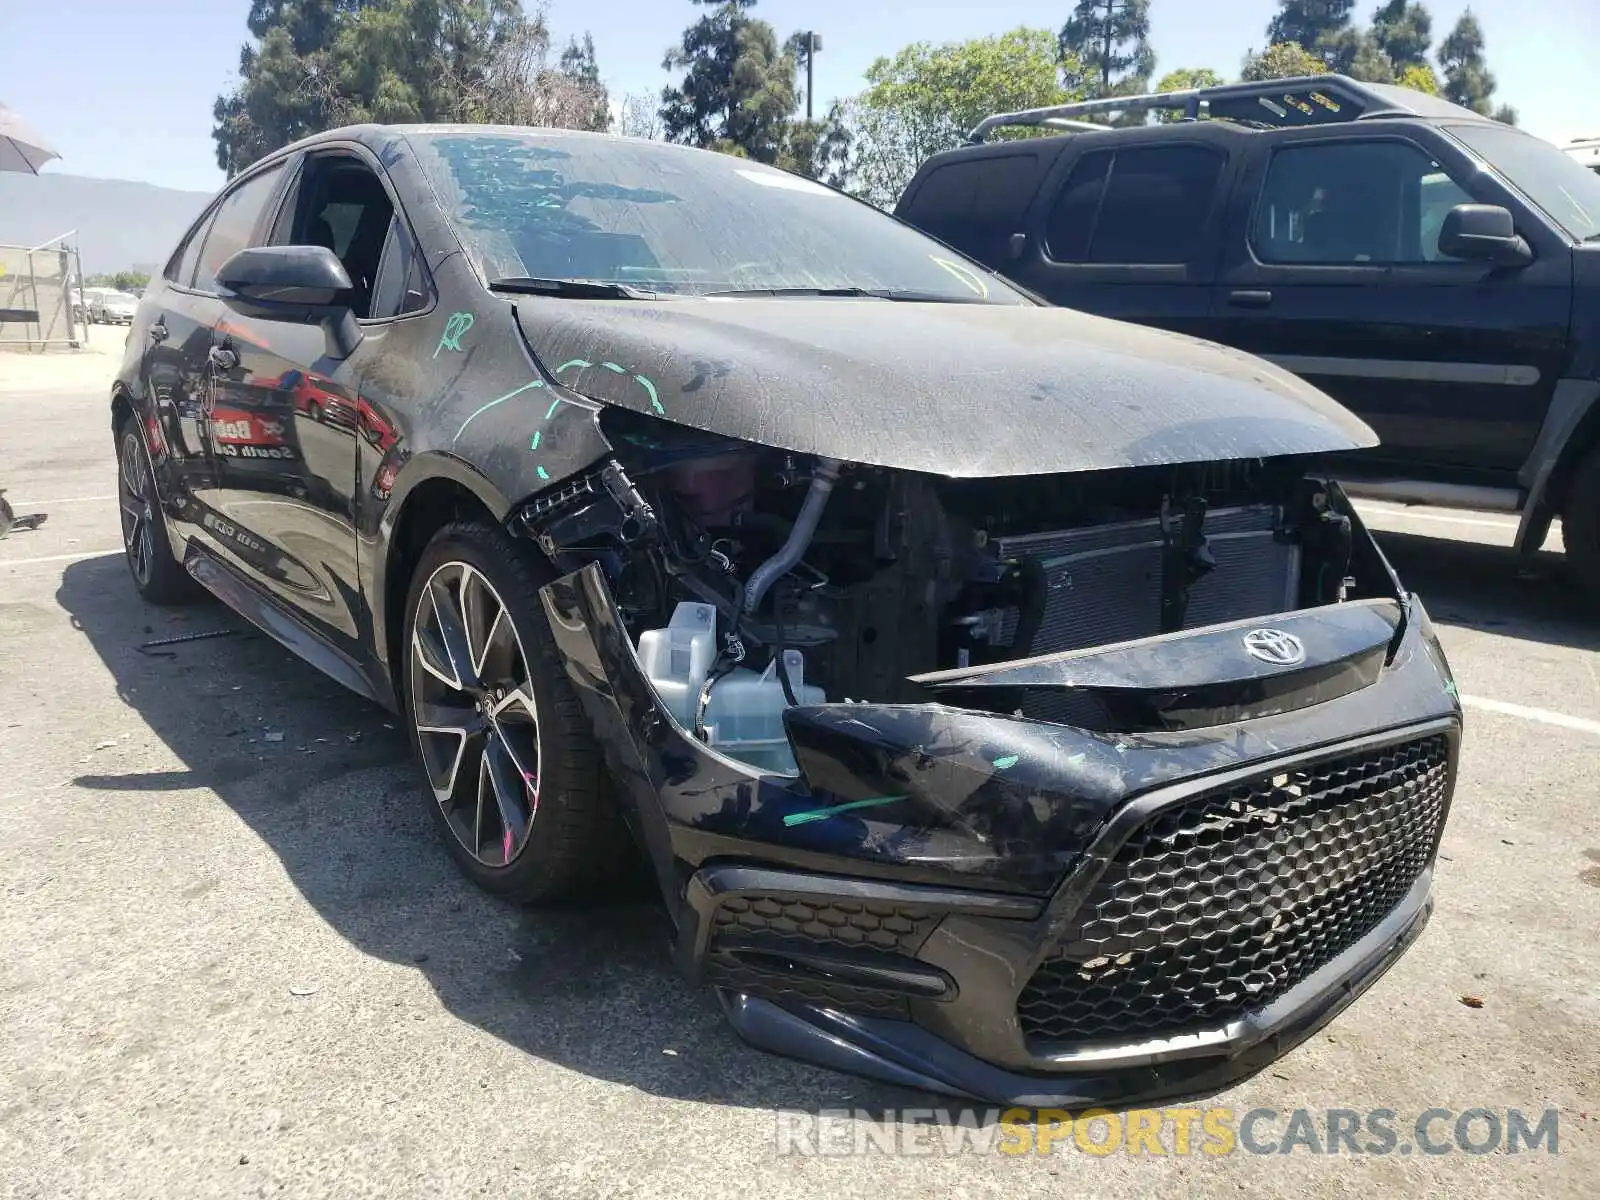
point(812, 41)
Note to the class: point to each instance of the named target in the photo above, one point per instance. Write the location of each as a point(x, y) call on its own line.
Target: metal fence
point(41, 295)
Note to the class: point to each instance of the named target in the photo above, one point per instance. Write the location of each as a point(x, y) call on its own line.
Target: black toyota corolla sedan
point(1002, 698)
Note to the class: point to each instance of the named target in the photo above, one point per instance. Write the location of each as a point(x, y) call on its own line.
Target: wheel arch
point(1571, 430)
point(430, 493)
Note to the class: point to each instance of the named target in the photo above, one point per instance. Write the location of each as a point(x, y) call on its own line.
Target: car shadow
point(326, 780)
point(1478, 586)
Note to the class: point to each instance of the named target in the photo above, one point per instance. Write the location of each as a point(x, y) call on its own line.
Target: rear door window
point(976, 204)
point(1136, 205)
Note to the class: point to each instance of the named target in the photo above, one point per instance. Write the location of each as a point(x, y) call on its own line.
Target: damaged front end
point(1050, 789)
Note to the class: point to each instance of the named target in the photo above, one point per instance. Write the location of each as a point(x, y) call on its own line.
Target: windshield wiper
point(850, 293)
point(570, 289)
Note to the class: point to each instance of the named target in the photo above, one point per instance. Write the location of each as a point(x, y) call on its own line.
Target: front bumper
point(977, 924)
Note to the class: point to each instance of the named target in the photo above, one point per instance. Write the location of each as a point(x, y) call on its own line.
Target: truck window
point(1143, 204)
point(976, 204)
point(1380, 202)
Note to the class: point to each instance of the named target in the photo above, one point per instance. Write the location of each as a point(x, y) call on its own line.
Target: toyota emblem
point(1275, 646)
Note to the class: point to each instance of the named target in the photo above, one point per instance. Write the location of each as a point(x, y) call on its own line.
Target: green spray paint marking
point(1006, 763)
point(641, 380)
point(543, 474)
point(551, 411)
point(537, 383)
point(651, 389)
point(450, 339)
point(822, 814)
point(535, 444)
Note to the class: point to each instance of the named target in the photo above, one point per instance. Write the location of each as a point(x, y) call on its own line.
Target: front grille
point(825, 924)
point(751, 934)
point(1222, 903)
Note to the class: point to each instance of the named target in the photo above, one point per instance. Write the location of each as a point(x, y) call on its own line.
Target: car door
point(1334, 271)
point(176, 335)
point(180, 362)
point(1129, 229)
point(294, 474)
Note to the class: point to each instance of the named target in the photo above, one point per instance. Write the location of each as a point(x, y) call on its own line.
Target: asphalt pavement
point(234, 961)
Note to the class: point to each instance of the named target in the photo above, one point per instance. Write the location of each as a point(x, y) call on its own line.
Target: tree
point(1282, 60)
point(1419, 77)
point(1110, 42)
point(927, 98)
point(1467, 80)
point(321, 63)
point(1306, 22)
point(639, 116)
point(1182, 80)
point(580, 69)
point(1403, 31)
point(821, 149)
point(1356, 53)
point(738, 88)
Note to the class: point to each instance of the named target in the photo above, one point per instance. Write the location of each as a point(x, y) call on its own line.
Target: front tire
point(513, 773)
point(1580, 524)
point(146, 543)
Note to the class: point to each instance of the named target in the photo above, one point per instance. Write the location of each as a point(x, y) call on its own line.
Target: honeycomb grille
point(776, 924)
point(825, 923)
point(1224, 902)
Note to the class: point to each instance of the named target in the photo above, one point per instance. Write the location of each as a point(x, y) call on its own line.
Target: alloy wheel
point(138, 512)
point(476, 718)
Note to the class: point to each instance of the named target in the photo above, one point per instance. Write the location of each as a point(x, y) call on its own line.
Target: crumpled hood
point(965, 390)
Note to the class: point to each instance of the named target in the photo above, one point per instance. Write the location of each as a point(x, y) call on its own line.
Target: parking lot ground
point(235, 962)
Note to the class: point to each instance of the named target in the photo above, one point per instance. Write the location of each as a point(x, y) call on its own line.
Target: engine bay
point(752, 580)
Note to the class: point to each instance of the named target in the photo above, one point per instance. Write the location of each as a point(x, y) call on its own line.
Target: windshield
point(122, 298)
point(1556, 182)
point(661, 218)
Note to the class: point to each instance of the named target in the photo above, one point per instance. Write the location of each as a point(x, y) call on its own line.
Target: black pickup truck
point(1435, 271)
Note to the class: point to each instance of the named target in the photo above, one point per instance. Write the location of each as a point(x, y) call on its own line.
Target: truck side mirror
point(1483, 233)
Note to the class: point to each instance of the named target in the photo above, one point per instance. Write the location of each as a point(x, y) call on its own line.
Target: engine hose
point(799, 540)
point(777, 658)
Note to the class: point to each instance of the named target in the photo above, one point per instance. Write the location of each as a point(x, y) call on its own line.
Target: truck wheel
point(514, 778)
point(1580, 524)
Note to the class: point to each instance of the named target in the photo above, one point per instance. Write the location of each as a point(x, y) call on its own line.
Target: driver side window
point(1347, 203)
point(342, 204)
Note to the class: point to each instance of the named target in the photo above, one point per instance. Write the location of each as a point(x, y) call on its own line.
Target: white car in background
point(113, 308)
point(1586, 151)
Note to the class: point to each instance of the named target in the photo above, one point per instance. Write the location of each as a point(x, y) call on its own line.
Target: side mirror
point(306, 285)
point(1483, 233)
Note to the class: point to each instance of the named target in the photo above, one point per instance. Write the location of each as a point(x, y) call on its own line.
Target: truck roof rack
point(1269, 104)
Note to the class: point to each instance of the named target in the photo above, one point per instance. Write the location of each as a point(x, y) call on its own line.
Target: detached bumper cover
point(1037, 914)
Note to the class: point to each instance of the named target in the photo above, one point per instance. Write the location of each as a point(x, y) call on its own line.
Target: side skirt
point(239, 594)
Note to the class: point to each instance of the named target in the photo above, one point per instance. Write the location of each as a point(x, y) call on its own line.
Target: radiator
point(1103, 584)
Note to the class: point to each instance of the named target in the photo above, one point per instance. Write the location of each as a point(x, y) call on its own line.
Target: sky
point(124, 90)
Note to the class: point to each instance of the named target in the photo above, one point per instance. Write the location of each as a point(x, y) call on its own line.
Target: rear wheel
point(513, 770)
point(156, 572)
point(1580, 524)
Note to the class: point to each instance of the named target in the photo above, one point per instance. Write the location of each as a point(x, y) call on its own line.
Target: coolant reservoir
point(744, 718)
point(677, 659)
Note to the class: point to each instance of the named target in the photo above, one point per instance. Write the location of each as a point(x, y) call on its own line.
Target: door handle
point(1250, 298)
point(223, 358)
point(158, 331)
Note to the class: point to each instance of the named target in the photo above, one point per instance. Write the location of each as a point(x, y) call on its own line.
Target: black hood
point(965, 390)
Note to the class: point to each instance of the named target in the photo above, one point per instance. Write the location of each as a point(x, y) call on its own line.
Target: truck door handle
point(1250, 298)
point(223, 358)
